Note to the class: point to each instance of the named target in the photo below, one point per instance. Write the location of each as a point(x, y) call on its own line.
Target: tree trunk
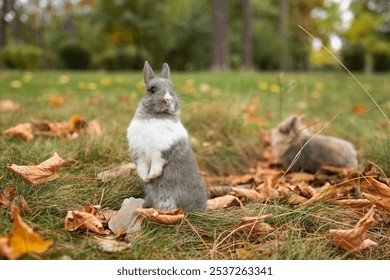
point(247, 38)
point(283, 35)
point(3, 23)
point(219, 47)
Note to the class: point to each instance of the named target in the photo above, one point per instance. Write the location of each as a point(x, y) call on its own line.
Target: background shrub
point(21, 57)
point(75, 57)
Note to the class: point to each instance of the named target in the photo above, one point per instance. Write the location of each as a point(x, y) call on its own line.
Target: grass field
point(223, 113)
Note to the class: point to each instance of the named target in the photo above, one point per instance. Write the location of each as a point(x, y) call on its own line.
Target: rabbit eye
point(152, 89)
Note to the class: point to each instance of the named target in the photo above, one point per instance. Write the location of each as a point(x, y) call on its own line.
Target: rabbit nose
point(168, 98)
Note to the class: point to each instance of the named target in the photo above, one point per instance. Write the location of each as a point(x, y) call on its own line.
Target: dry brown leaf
point(298, 177)
point(382, 189)
point(242, 179)
point(343, 171)
point(255, 225)
point(326, 193)
point(249, 194)
point(9, 105)
point(49, 128)
point(223, 202)
point(359, 109)
point(355, 239)
point(7, 196)
point(82, 220)
point(122, 170)
point(22, 130)
point(24, 205)
point(22, 240)
point(38, 174)
point(164, 217)
point(111, 245)
point(94, 128)
point(296, 199)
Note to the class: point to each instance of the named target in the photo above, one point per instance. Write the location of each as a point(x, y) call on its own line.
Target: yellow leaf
point(164, 217)
point(355, 239)
point(22, 130)
point(22, 240)
point(38, 174)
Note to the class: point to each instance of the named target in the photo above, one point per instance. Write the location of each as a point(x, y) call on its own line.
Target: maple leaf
point(38, 174)
point(22, 240)
point(22, 130)
point(164, 217)
point(223, 202)
point(9, 105)
point(355, 239)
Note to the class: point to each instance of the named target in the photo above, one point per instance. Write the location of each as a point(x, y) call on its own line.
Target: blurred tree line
point(192, 34)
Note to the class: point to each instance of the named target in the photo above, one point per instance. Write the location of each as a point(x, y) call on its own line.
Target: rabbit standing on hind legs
point(160, 148)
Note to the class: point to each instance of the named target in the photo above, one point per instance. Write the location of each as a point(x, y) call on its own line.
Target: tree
point(283, 23)
point(247, 35)
point(219, 49)
point(3, 23)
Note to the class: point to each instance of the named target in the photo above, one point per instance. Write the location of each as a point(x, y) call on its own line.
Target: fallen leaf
point(124, 169)
point(223, 202)
point(24, 205)
point(49, 128)
point(38, 174)
point(56, 100)
point(112, 246)
point(298, 177)
point(76, 124)
point(22, 130)
point(82, 220)
point(7, 196)
point(9, 105)
point(359, 109)
point(242, 179)
point(22, 240)
point(249, 194)
point(217, 191)
point(255, 225)
point(296, 199)
point(326, 193)
point(382, 189)
point(127, 220)
point(94, 128)
point(355, 239)
point(164, 217)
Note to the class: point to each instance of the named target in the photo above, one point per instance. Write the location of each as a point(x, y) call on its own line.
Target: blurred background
point(192, 35)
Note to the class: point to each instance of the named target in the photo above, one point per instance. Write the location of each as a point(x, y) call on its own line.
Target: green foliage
point(119, 59)
point(21, 56)
point(353, 57)
point(74, 56)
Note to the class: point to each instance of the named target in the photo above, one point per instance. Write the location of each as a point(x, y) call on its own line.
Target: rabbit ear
point(148, 73)
point(165, 71)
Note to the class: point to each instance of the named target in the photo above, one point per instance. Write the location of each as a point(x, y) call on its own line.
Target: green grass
point(224, 140)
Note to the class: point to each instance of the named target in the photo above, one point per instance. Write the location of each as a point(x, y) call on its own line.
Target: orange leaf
point(164, 217)
point(7, 196)
point(38, 174)
point(359, 109)
point(223, 202)
point(22, 130)
point(82, 220)
point(355, 239)
point(48, 128)
point(76, 124)
point(56, 100)
point(22, 240)
point(9, 105)
point(244, 179)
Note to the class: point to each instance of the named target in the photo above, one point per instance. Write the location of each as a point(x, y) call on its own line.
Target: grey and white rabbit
point(292, 134)
point(160, 148)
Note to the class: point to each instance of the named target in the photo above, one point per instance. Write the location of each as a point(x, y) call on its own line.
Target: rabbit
point(292, 135)
point(160, 147)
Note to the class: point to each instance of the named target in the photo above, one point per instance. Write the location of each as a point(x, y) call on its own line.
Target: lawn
point(223, 113)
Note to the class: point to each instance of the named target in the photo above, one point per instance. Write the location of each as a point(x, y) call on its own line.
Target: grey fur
point(180, 184)
point(292, 134)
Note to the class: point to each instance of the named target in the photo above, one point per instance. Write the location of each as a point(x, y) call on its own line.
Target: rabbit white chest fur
point(148, 138)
